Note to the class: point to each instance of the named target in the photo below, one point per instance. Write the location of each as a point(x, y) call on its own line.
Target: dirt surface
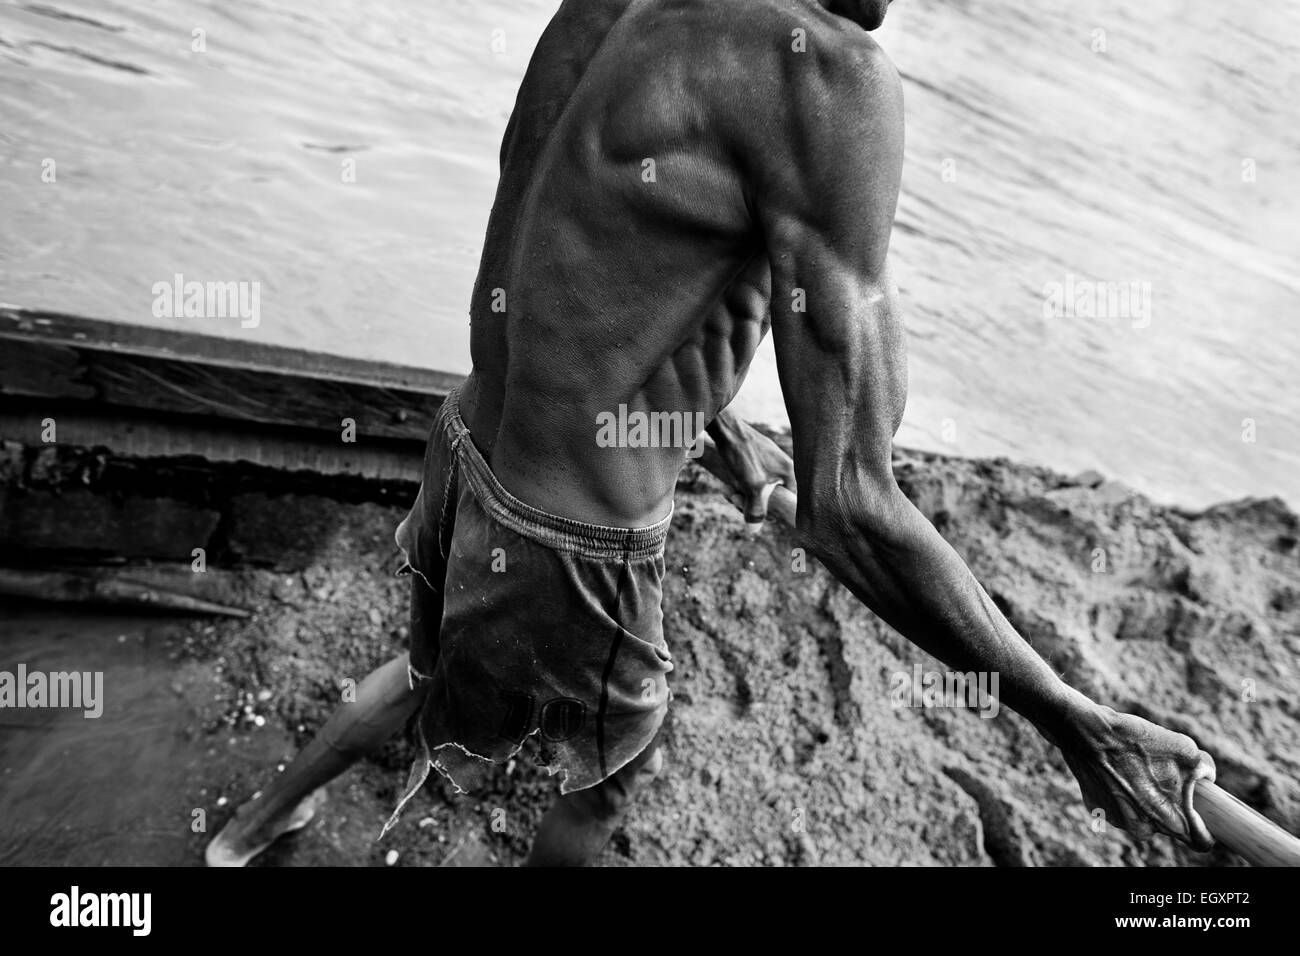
point(783, 743)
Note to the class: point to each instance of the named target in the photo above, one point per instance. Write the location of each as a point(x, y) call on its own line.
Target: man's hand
point(756, 463)
point(1141, 775)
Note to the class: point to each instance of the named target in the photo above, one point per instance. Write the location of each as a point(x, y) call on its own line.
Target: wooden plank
point(214, 441)
point(101, 335)
point(46, 355)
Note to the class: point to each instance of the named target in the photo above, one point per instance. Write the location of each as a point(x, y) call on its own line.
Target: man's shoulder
point(797, 54)
point(747, 55)
point(846, 63)
point(816, 78)
point(824, 117)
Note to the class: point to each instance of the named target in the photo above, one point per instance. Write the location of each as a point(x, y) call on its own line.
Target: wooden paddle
point(1240, 828)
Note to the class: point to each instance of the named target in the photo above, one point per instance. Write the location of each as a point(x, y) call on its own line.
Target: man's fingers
point(1199, 836)
point(1205, 769)
point(1123, 811)
point(1119, 812)
point(1141, 831)
point(1170, 810)
point(1196, 765)
point(786, 475)
point(1135, 822)
point(756, 510)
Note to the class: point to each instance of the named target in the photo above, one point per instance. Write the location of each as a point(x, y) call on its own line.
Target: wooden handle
point(1243, 829)
point(1238, 827)
point(783, 504)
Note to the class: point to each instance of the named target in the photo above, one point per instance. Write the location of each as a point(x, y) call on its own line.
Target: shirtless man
point(677, 177)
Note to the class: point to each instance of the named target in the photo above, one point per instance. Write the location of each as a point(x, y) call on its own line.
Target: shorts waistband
point(552, 531)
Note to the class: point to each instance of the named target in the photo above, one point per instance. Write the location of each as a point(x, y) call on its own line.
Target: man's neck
point(867, 14)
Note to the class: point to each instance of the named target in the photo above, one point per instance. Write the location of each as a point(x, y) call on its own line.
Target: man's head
point(868, 14)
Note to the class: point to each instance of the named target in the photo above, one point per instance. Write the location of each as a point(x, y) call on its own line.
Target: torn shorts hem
point(420, 767)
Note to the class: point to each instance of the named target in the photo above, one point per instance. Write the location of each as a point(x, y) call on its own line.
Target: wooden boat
point(114, 439)
point(143, 392)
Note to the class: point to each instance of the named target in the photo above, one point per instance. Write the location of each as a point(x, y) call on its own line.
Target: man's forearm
point(900, 566)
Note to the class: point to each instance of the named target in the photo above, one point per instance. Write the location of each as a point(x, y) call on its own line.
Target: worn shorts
point(531, 625)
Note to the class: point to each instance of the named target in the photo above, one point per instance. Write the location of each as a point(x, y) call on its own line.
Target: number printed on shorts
point(560, 719)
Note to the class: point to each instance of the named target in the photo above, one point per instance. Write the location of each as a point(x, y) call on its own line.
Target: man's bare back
point(625, 262)
point(677, 175)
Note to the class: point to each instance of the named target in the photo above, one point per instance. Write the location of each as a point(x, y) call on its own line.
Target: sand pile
point(784, 745)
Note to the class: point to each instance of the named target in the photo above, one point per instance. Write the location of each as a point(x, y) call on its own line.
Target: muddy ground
point(783, 744)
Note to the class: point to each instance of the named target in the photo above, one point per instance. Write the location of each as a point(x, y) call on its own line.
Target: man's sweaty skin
point(775, 178)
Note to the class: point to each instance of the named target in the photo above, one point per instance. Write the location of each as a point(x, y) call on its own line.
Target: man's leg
point(384, 702)
point(579, 824)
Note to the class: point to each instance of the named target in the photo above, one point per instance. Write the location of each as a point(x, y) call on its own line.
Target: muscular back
point(626, 262)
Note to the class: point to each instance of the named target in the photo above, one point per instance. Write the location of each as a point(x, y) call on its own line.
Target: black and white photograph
point(702, 434)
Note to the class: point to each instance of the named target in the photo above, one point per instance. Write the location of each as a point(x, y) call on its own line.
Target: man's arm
point(825, 210)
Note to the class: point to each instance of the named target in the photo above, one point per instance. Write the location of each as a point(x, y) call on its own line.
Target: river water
point(342, 155)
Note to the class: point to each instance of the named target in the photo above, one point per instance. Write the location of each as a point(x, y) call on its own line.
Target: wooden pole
point(105, 588)
point(1243, 829)
point(1237, 826)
